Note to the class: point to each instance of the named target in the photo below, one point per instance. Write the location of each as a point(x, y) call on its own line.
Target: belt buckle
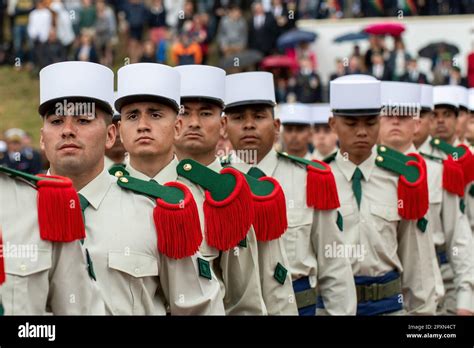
point(371, 292)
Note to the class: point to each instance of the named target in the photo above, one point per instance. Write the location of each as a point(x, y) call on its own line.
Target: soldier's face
point(443, 124)
point(198, 128)
point(397, 131)
point(470, 129)
point(422, 131)
point(461, 123)
point(357, 135)
point(76, 145)
point(252, 128)
point(147, 129)
point(296, 137)
point(324, 139)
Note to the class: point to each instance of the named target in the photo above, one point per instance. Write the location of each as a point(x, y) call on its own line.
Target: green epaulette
point(303, 161)
point(395, 161)
point(29, 179)
point(154, 190)
point(118, 170)
point(330, 158)
point(456, 152)
point(431, 157)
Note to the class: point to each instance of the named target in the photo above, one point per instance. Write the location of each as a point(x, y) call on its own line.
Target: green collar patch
point(169, 194)
point(330, 158)
point(340, 221)
point(462, 205)
point(396, 163)
point(302, 161)
point(118, 170)
point(422, 224)
point(456, 152)
point(280, 273)
point(219, 185)
point(204, 268)
point(90, 265)
point(471, 191)
point(431, 157)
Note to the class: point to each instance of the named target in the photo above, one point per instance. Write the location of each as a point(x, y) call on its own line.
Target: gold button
point(187, 167)
point(379, 158)
point(383, 148)
point(285, 153)
point(118, 173)
point(436, 141)
point(124, 180)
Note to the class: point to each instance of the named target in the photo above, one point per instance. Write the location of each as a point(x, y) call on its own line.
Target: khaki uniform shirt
point(134, 277)
point(319, 156)
point(388, 242)
point(237, 269)
point(310, 232)
point(42, 277)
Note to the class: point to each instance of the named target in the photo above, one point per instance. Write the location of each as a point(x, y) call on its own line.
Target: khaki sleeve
point(240, 273)
point(335, 278)
point(459, 249)
point(279, 298)
point(418, 276)
point(72, 291)
point(470, 206)
point(186, 291)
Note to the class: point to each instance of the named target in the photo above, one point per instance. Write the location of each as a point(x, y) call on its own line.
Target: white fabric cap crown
point(68, 81)
point(148, 82)
point(426, 99)
point(355, 95)
point(202, 81)
point(249, 88)
point(321, 113)
point(445, 95)
point(297, 113)
point(400, 98)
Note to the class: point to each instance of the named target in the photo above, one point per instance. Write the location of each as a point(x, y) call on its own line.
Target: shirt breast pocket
point(385, 219)
point(298, 235)
point(135, 264)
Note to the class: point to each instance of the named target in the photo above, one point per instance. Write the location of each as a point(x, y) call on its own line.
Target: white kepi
point(249, 88)
point(295, 113)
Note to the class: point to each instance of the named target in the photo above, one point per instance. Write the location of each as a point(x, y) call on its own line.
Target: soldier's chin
point(70, 164)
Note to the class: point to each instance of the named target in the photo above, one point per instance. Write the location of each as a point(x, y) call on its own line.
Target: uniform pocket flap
point(134, 263)
point(297, 217)
point(386, 212)
point(26, 262)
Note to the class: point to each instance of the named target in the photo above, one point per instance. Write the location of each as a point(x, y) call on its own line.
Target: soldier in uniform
point(15, 157)
point(314, 226)
point(381, 202)
point(296, 119)
point(199, 128)
point(115, 155)
point(446, 223)
point(324, 139)
point(463, 114)
point(134, 267)
point(45, 272)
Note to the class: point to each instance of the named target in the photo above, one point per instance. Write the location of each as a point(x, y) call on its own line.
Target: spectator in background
point(86, 51)
point(379, 69)
point(232, 32)
point(442, 69)
point(308, 87)
point(220, 9)
point(263, 30)
point(31, 154)
point(377, 45)
point(308, 9)
point(105, 32)
point(413, 74)
point(157, 20)
point(455, 77)
point(148, 52)
point(355, 66)
point(40, 23)
point(199, 33)
point(73, 8)
point(15, 157)
point(340, 70)
point(87, 16)
point(282, 16)
point(185, 50)
point(398, 60)
point(163, 49)
point(136, 15)
point(64, 33)
point(187, 14)
point(21, 13)
point(173, 8)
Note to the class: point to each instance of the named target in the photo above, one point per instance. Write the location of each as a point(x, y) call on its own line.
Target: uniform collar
point(167, 174)
point(411, 149)
point(426, 147)
point(347, 167)
point(268, 163)
point(215, 165)
point(96, 190)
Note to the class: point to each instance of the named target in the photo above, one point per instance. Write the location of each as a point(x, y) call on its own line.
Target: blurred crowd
point(36, 33)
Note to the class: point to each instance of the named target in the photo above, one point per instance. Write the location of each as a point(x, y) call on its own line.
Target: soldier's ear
point(224, 121)
point(111, 136)
point(42, 140)
point(332, 123)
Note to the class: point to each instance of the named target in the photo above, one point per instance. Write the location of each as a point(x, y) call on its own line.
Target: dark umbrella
point(351, 37)
point(294, 37)
point(241, 60)
point(386, 28)
point(436, 47)
point(278, 61)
